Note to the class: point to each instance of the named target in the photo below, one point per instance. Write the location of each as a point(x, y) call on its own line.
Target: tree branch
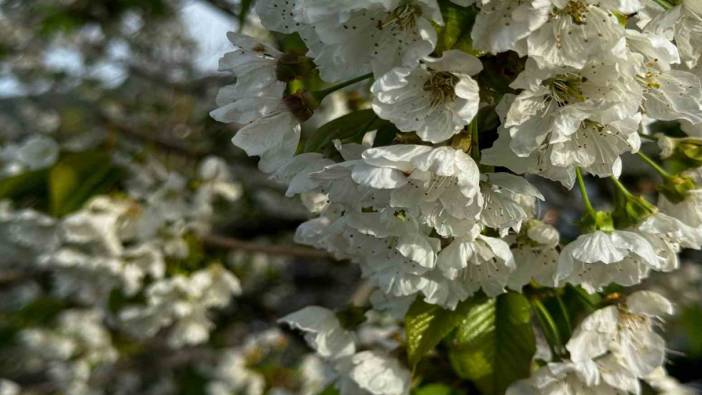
point(165, 145)
point(218, 241)
point(8, 278)
point(223, 6)
point(197, 86)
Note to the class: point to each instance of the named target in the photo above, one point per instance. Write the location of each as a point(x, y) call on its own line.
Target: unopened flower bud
point(676, 188)
point(666, 145)
point(687, 151)
point(632, 210)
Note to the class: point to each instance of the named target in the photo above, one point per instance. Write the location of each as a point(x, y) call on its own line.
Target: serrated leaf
point(494, 345)
point(427, 324)
point(350, 127)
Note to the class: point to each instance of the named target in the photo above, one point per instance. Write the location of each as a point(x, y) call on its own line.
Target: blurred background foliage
point(139, 76)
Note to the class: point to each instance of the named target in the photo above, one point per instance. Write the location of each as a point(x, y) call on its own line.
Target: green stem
point(319, 95)
point(648, 137)
point(664, 4)
point(621, 186)
point(549, 327)
point(654, 165)
point(583, 191)
point(584, 297)
point(474, 140)
point(564, 312)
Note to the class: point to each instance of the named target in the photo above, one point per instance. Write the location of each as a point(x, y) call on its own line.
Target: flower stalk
point(320, 95)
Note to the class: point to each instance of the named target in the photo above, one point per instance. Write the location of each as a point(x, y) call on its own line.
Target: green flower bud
point(632, 210)
point(687, 151)
point(676, 188)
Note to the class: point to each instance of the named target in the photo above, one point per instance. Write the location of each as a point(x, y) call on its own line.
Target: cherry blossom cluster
point(124, 245)
point(431, 213)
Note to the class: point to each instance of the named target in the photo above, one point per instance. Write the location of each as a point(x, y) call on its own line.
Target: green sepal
point(597, 220)
point(631, 210)
point(676, 188)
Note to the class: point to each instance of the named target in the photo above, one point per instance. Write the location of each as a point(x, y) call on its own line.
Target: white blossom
point(235, 371)
point(624, 336)
point(370, 372)
point(436, 99)
point(73, 351)
point(25, 235)
point(689, 210)
point(579, 30)
point(36, 152)
point(440, 185)
point(684, 24)
point(588, 116)
point(509, 200)
point(503, 25)
point(481, 263)
point(596, 259)
point(8, 387)
point(364, 372)
point(563, 378)
point(255, 102)
point(535, 255)
point(322, 331)
point(669, 236)
point(667, 385)
point(375, 37)
point(182, 303)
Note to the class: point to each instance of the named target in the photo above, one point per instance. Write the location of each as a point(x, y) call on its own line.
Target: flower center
point(438, 185)
point(404, 16)
point(577, 10)
point(632, 322)
point(441, 85)
point(566, 89)
point(649, 80)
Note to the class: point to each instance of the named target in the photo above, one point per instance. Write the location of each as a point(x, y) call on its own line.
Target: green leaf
point(191, 381)
point(63, 180)
point(691, 322)
point(29, 183)
point(40, 311)
point(350, 127)
point(494, 345)
point(78, 177)
point(455, 33)
point(427, 324)
point(435, 389)
point(330, 390)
